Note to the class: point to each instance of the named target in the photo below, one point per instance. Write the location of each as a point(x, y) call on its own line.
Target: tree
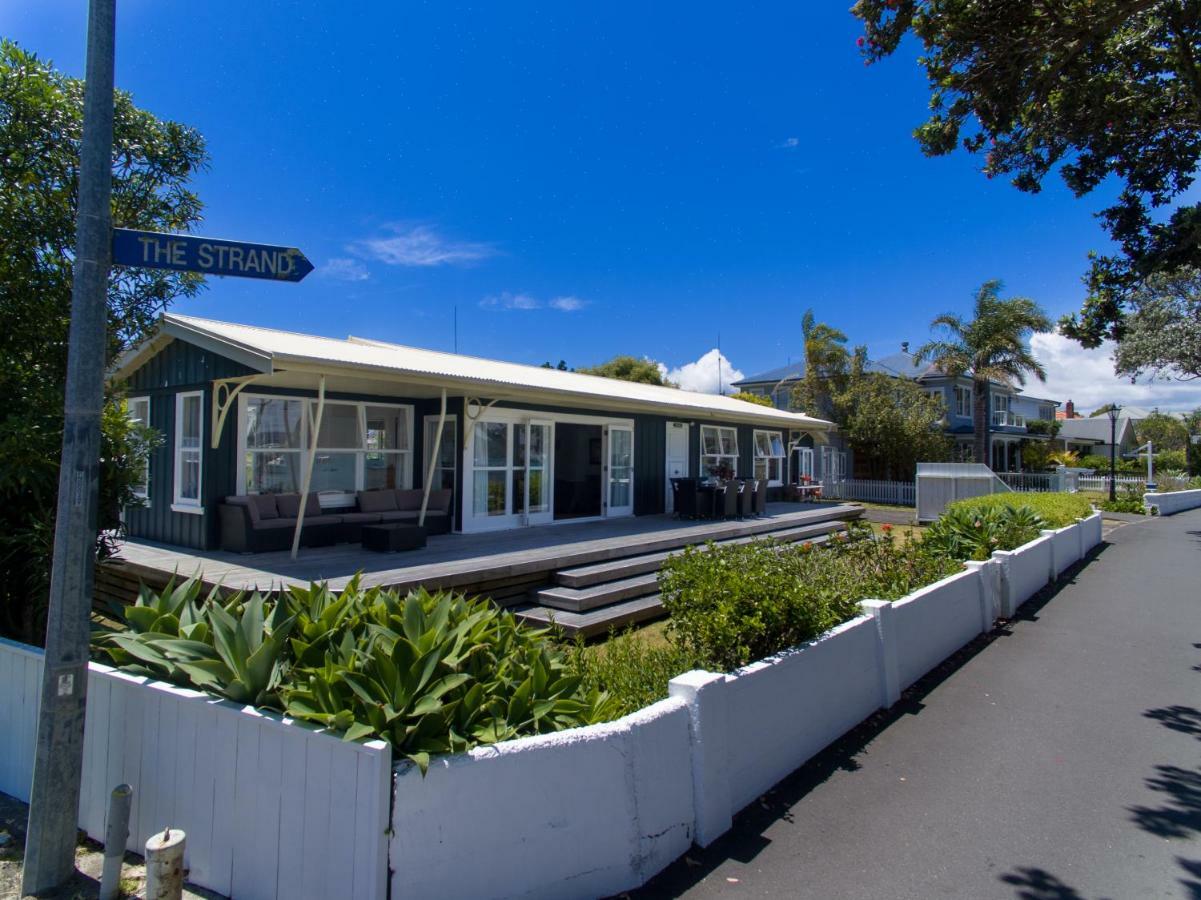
point(1101, 91)
point(826, 366)
point(41, 113)
point(1163, 328)
point(1164, 432)
point(752, 398)
point(891, 423)
point(1101, 410)
point(990, 348)
point(630, 368)
point(1192, 423)
point(562, 366)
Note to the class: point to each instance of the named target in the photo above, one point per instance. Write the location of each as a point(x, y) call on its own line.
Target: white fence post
point(890, 676)
point(704, 692)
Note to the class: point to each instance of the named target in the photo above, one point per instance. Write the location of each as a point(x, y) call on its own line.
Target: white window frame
point(728, 430)
point(143, 494)
point(806, 463)
point(309, 407)
point(775, 461)
point(963, 402)
point(181, 504)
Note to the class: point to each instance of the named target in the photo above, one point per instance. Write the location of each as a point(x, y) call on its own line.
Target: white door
point(620, 481)
point(677, 457)
point(532, 444)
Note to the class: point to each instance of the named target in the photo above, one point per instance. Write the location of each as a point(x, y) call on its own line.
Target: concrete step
point(597, 621)
point(593, 596)
point(599, 573)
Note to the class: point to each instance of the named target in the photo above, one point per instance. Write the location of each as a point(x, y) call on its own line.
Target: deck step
point(599, 573)
point(586, 598)
point(597, 621)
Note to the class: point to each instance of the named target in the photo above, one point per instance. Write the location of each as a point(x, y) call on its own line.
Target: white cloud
point(702, 375)
point(510, 301)
point(789, 143)
point(422, 246)
point(343, 269)
point(1086, 378)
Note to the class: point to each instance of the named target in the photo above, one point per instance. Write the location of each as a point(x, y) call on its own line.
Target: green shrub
point(1121, 466)
point(1128, 500)
point(631, 669)
point(1056, 510)
point(1170, 461)
point(975, 531)
point(430, 673)
point(731, 605)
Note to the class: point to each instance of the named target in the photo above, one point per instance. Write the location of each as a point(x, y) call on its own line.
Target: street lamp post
point(1113, 451)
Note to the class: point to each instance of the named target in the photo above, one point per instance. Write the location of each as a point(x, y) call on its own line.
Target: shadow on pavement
point(1039, 884)
point(1184, 719)
point(746, 839)
point(1180, 816)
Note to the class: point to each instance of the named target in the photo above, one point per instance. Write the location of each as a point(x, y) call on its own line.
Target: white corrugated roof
point(271, 350)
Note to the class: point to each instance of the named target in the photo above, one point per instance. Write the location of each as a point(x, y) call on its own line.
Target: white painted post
point(989, 572)
point(708, 729)
point(1007, 603)
point(308, 470)
point(116, 833)
point(1052, 572)
point(164, 865)
point(886, 645)
point(433, 464)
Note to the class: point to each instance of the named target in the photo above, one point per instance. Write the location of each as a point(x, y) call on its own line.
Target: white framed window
point(963, 402)
point(491, 463)
point(719, 448)
point(138, 410)
point(360, 446)
point(806, 463)
point(189, 437)
point(448, 452)
point(273, 444)
point(769, 457)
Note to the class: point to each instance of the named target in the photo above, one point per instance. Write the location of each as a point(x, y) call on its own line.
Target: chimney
point(904, 346)
point(1070, 409)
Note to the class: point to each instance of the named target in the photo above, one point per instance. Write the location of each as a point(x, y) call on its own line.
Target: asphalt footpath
point(1058, 758)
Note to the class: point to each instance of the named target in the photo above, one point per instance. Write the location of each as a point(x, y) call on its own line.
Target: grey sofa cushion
point(359, 518)
point(289, 506)
point(408, 499)
point(377, 501)
point(262, 507)
point(439, 502)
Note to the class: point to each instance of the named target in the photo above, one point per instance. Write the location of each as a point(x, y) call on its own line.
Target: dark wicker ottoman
point(392, 537)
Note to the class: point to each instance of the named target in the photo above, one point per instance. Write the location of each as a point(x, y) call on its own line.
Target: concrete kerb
point(1172, 502)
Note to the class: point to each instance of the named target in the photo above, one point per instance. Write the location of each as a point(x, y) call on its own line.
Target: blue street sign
point(208, 256)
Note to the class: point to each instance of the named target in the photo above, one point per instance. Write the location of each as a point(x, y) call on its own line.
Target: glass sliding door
point(621, 471)
point(490, 469)
point(530, 477)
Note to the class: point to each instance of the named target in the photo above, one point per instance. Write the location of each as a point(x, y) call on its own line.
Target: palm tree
point(990, 348)
point(826, 362)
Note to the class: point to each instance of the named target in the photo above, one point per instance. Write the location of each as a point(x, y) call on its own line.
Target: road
point(1059, 759)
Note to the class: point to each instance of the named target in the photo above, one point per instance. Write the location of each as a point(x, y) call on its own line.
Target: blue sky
point(581, 182)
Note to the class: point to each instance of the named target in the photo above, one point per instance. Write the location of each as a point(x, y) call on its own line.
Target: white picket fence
point(902, 493)
point(272, 808)
point(1100, 483)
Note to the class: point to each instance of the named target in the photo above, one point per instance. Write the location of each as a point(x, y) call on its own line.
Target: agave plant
point(236, 648)
point(440, 674)
point(975, 532)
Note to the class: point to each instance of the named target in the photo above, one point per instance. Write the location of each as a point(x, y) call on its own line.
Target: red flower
point(859, 41)
point(886, 528)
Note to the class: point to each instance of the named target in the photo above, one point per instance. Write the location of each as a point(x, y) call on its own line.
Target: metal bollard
point(116, 833)
point(164, 865)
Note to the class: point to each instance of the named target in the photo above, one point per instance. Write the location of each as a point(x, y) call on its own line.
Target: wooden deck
point(503, 564)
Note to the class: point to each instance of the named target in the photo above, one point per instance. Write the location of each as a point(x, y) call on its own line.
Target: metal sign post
point(54, 800)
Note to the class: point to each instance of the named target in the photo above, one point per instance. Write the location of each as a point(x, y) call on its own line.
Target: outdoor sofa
point(256, 523)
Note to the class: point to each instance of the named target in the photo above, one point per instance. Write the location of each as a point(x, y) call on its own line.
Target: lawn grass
point(902, 534)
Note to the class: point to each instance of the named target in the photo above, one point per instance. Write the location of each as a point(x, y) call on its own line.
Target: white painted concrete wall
point(785, 709)
point(272, 809)
point(1172, 502)
point(1025, 572)
point(933, 623)
point(582, 813)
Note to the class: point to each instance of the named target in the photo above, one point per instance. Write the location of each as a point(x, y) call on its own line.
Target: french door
point(532, 444)
point(620, 465)
point(511, 473)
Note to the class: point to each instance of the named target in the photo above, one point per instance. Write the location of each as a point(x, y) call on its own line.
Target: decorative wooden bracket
point(225, 392)
point(481, 407)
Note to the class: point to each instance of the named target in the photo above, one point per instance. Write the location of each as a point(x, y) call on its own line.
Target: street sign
point(208, 256)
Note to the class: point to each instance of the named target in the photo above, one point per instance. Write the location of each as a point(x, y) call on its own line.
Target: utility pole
point(54, 801)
